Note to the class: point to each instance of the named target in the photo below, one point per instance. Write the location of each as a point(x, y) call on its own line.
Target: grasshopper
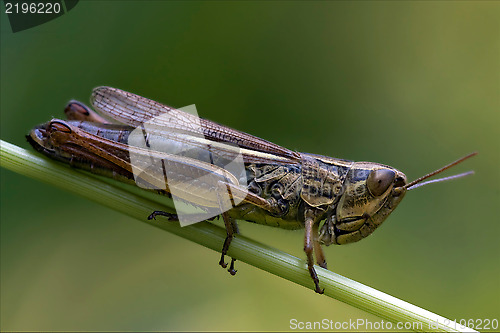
point(182, 156)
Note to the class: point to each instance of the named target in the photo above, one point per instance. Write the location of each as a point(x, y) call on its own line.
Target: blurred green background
point(411, 84)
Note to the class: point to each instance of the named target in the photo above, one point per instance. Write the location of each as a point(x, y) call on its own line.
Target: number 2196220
point(33, 8)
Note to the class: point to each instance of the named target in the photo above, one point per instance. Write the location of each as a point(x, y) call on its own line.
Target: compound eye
point(378, 181)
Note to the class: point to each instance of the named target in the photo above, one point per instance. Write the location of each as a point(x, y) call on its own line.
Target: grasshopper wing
point(134, 110)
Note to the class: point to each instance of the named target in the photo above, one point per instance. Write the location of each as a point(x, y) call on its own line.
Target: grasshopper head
point(371, 192)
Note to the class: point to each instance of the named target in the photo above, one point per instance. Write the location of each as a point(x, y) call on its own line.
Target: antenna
point(414, 183)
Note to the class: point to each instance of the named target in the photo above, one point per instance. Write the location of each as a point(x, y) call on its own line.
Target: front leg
point(318, 251)
point(311, 218)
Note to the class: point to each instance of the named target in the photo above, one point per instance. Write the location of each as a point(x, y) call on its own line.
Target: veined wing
point(134, 110)
point(180, 143)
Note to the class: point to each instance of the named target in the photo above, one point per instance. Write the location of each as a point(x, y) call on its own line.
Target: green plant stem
point(204, 233)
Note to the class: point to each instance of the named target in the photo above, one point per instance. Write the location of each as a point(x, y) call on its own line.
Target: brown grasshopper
point(192, 160)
